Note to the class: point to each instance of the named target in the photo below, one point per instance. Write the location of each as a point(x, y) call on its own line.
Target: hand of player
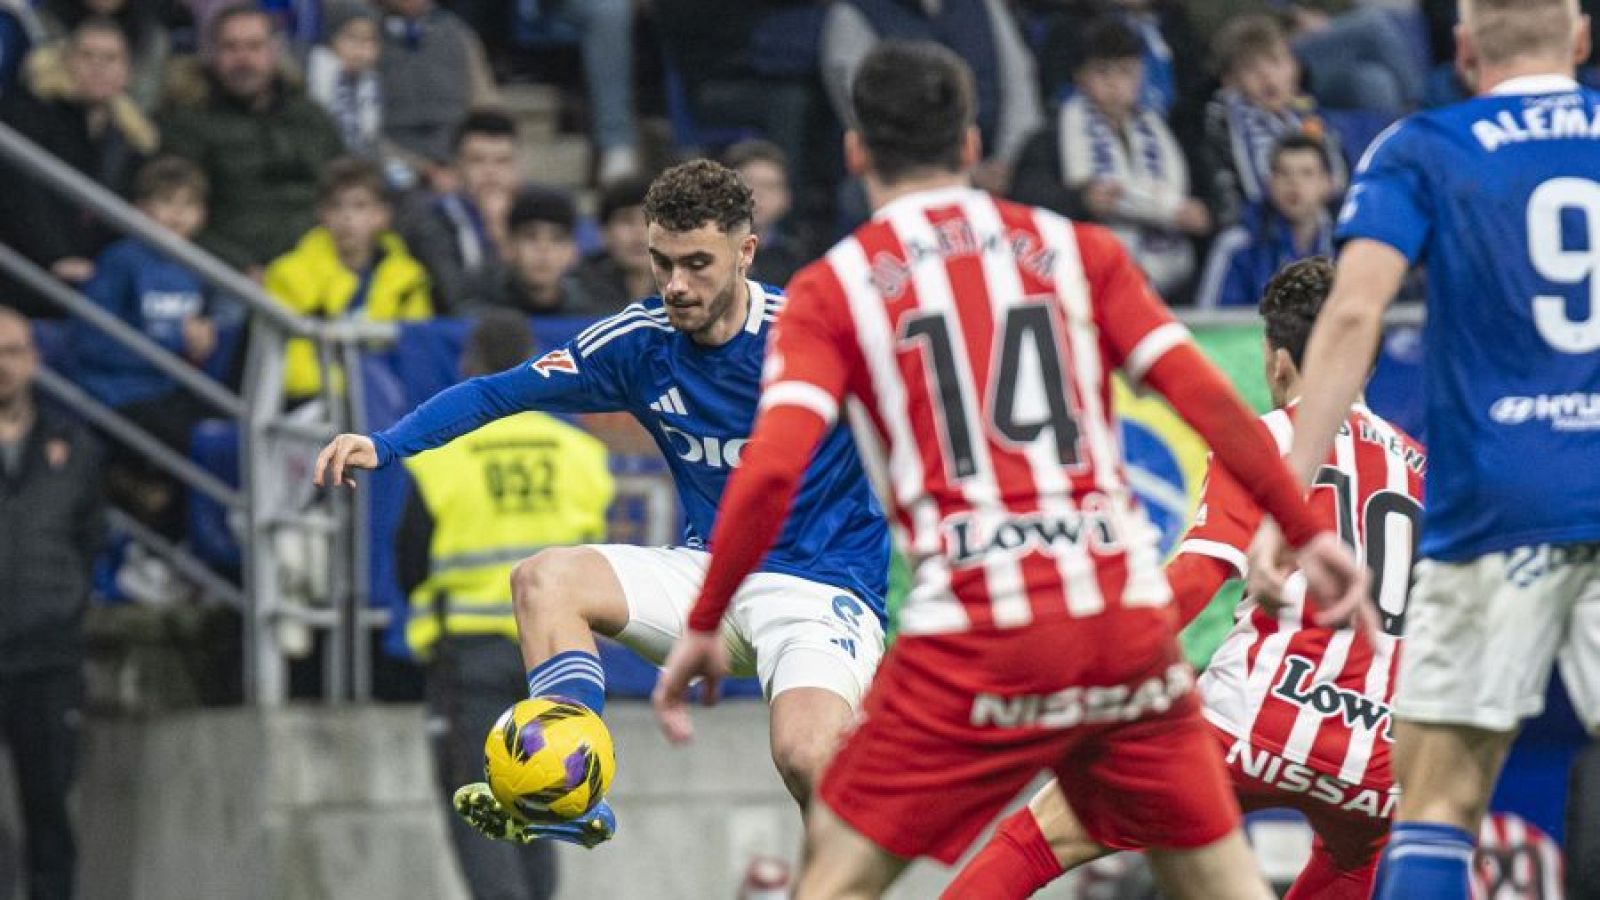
point(343, 452)
point(696, 654)
point(1337, 584)
point(1271, 563)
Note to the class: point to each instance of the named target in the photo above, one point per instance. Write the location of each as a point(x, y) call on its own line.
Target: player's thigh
point(658, 587)
point(1481, 637)
point(1069, 840)
point(808, 635)
point(806, 725)
point(1221, 870)
point(562, 581)
point(1580, 653)
point(840, 862)
point(1447, 772)
point(1159, 782)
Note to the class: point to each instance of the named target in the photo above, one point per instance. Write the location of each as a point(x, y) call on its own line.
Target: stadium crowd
point(373, 161)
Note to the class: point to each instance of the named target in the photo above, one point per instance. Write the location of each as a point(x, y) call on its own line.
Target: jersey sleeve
point(808, 363)
point(587, 374)
point(1387, 202)
point(1136, 328)
point(1225, 522)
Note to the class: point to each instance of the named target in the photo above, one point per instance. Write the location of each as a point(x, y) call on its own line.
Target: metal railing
point(265, 434)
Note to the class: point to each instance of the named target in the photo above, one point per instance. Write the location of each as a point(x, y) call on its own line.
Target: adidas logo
point(671, 402)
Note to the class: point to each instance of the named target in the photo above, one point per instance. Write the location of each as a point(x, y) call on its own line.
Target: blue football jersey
point(699, 404)
point(1498, 198)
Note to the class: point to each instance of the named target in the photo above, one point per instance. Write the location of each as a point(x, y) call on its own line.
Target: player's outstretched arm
point(1343, 345)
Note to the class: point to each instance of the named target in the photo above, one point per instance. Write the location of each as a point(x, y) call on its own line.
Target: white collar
point(1543, 83)
point(758, 307)
point(944, 196)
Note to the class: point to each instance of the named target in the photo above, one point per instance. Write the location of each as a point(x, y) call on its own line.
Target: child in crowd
point(167, 304)
point(765, 168)
point(542, 252)
point(1293, 225)
point(620, 273)
point(342, 75)
point(1259, 102)
point(1123, 161)
point(349, 265)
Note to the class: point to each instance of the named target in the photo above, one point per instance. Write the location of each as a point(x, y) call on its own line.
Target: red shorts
point(956, 725)
point(1351, 823)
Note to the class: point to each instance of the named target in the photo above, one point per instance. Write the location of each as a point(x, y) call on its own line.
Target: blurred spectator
point(342, 75)
point(1258, 104)
point(1175, 82)
point(1292, 225)
point(20, 32)
point(982, 32)
point(620, 273)
point(350, 265)
point(502, 493)
point(166, 302)
point(433, 71)
point(765, 168)
point(262, 142)
point(72, 103)
point(1357, 58)
point(51, 526)
point(603, 30)
point(543, 250)
point(1117, 163)
point(751, 65)
point(461, 235)
point(148, 44)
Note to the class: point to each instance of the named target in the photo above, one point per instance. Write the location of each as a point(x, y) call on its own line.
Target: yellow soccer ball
point(547, 760)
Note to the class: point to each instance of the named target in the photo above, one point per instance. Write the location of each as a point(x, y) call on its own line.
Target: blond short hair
point(1504, 30)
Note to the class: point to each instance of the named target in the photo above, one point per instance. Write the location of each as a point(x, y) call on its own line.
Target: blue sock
point(575, 675)
point(1426, 861)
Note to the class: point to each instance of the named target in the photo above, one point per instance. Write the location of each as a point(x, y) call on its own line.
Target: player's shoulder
point(638, 324)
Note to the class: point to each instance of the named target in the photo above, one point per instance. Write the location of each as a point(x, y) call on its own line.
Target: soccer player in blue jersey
point(687, 364)
point(1499, 197)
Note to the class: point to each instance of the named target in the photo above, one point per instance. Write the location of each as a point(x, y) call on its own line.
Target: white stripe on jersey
point(1282, 430)
point(1151, 348)
point(605, 338)
point(1307, 722)
point(632, 313)
point(803, 394)
point(1397, 477)
point(1008, 595)
point(1258, 685)
point(1217, 550)
point(1054, 490)
point(756, 312)
point(932, 607)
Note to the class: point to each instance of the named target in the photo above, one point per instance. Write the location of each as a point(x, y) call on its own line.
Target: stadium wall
point(316, 803)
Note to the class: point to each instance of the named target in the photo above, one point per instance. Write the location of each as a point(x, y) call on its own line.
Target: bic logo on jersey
point(710, 451)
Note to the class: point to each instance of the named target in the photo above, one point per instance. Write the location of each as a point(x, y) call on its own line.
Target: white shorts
point(1480, 637)
point(786, 631)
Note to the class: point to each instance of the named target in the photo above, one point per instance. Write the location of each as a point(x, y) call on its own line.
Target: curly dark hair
point(691, 194)
point(1292, 301)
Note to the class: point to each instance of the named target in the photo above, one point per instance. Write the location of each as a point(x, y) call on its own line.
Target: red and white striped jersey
point(977, 340)
point(1319, 696)
point(1516, 860)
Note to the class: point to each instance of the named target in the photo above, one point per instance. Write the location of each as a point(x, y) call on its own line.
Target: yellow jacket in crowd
point(312, 281)
point(491, 499)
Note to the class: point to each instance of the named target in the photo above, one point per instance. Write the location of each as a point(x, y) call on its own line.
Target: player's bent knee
point(549, 582)
point(800, 761)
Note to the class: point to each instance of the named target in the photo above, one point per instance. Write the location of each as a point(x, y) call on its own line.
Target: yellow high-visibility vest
point(498, 496)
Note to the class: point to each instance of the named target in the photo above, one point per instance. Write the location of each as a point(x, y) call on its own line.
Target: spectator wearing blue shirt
point(166, 302)
point(1292, 225)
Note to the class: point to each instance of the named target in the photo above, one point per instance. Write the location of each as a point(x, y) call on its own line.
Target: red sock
point(1015, 863)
